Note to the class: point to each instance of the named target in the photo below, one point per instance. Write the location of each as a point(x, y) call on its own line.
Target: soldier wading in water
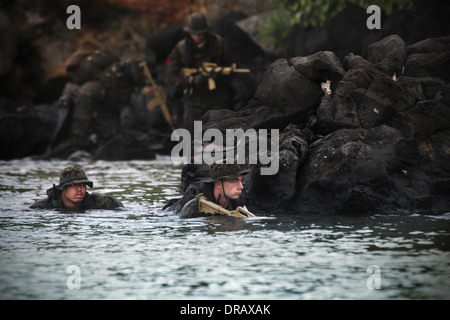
point(70, 194)
point(221, 191)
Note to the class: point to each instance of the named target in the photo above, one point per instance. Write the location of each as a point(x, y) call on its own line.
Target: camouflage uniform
point(75, 175)
point(197, 98)
point(218, 171)
point(106, 84)
point(91, 201)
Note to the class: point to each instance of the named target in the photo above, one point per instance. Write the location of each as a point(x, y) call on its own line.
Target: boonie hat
point(197, 23)
point(73, 175)
point(225, 170)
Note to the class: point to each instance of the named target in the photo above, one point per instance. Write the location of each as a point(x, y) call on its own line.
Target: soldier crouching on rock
point(70, 194)
point(91, 113)
point(220, 193)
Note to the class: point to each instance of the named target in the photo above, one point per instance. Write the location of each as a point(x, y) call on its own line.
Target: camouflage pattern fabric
point(226, 171)
point(87, 67)
point(76, 175)
point(190, 209)
point(98, 104)
point(91, 201)
point(106, 84)
point(221, 170)
point(73, 175)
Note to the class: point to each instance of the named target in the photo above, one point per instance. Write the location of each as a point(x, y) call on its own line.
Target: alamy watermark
point(74, 20)
point(374, 21)
point(74, 280)
point(374, 281)
point(213, 146)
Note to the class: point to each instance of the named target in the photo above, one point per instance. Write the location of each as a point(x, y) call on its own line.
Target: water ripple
point(142, 252)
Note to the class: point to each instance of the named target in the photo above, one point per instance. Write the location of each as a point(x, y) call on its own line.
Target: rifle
point(206, 206)
point(209, 70)
point(159, 98)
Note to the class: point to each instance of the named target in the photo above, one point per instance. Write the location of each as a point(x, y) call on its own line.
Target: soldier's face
point(198, 38)
point(73, 195)
point(233, 187)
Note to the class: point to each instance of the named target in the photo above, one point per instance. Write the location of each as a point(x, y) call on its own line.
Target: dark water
point(142, 252)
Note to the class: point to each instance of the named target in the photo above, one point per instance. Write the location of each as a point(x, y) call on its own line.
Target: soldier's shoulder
point(40, 204)
point(101, 201)
point(190, 209)
point(179, 48)
point(219, 38)
point(181, 43)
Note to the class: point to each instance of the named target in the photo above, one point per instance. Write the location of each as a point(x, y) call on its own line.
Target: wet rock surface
point(377, 144)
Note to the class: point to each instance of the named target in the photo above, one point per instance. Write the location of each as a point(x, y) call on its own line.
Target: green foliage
point(314, 13)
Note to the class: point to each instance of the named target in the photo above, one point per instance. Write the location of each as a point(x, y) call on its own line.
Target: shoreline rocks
point(377, 144)
point(375, 141)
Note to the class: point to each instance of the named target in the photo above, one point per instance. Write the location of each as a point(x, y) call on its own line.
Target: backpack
point(92, 65)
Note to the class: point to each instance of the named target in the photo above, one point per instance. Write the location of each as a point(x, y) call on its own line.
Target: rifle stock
point(206, 206)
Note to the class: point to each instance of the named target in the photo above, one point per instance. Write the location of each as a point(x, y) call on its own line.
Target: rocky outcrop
point(347, 32)
point(144, 134)
point(36, 42)
point(25, 131)
point(429, 57)
point(379, 143)
point(363, 116)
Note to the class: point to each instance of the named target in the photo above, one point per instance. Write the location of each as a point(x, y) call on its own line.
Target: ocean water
point(143, 252)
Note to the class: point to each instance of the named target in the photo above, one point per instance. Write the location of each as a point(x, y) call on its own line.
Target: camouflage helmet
point(73, 175)
point(225, 170)
point(197, 23)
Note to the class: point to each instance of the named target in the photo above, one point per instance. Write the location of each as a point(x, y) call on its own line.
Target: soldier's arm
point(190, 209)
point(106, 202)
point(173, 74)
point(40, 204)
